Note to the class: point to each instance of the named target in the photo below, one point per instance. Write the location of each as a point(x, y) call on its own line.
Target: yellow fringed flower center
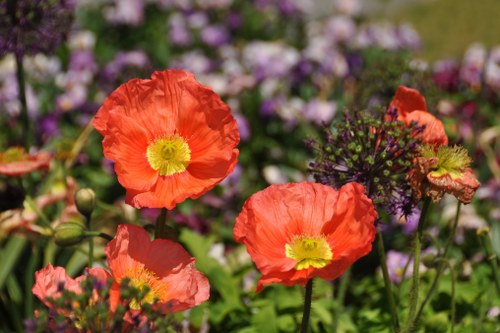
point(13, 154)
point(309, 251)
point(169, 155)
point(146, 282)
point(451, 160)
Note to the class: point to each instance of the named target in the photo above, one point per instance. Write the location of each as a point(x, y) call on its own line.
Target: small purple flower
point(396, 264)
point(215, 35)
point(446, 74)
point(179, 33)
point(126, 12)
point(473, 66)
point(319, 111)
point(492, 70)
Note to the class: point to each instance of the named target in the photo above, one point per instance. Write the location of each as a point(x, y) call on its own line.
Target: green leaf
point(265, 320)
point(10, 254)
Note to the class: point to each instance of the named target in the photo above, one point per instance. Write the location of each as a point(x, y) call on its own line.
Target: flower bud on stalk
point(85, 201)
point(69, 233)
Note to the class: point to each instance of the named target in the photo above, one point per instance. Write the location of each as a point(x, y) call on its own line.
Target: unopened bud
point(429, 260)
point(69, 233)
point(85, 201)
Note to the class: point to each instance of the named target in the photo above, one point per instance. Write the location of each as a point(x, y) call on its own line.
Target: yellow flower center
point(13, 154)
point(143, 279)
point(169, 155)
point(451, 160)
point(309, 251)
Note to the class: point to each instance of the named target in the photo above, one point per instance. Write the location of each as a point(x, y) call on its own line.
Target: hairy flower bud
point(85, 201)
point(69, 233)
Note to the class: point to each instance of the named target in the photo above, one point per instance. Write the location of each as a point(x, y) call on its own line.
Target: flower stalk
point(387, 283)
point(307, 307)
point(409, 326)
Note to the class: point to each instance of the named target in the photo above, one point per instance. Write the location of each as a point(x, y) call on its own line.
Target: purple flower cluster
point(34, 26)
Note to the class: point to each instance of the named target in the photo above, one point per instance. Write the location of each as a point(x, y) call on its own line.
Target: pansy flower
point(170, 138)
point(294, 232)
point(445, 170)
point(163, 266)
point(16, 162)
point(410, 106)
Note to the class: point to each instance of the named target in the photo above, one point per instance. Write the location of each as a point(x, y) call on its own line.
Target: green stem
point(161, 224)
point(387, 283)
point(491, 256)
point(440, 268)
point(307, 307)
point(27, 132)
point(339, 302)
point(99, 234)
point(409, 325)
point(91, 240)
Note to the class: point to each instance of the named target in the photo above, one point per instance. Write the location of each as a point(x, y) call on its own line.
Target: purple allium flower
point(372, 150)
point(215, 35)
point(33, 26)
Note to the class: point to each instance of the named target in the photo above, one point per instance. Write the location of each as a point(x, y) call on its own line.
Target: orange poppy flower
point(411, 107)
point(445, 170)
point(170, 138)
point(162, 265)
point(16, 162)
point(50, 281)
point(294, 232)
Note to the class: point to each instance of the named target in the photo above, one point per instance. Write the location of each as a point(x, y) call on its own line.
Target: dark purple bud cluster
point(373, 149)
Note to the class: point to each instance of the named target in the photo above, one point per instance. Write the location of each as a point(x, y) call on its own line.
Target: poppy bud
point(85, 201)
point(69, 233)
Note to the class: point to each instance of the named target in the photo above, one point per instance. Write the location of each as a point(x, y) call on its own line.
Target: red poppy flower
point(162, 265)
point(16, 162)
point(170, 138)
point(411, 107)
point(50, 281)
point(294, 232)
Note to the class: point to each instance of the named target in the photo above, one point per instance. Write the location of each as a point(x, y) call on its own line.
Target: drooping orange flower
point(16, 162)
point(445, 170)
point(50, 281)
point(170, 138)
point(411, 107)
point(162, 265)
point(297, 231)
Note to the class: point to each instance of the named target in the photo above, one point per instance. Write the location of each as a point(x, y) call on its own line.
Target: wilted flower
point(298, 231)
point(32, 26)
point(16, 162)
point(445, 170)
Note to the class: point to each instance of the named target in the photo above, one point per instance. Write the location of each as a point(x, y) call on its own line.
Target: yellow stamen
point(143, 279)
point(169, 155)
point(13, 154)
point(309, 251)
point(451, 160)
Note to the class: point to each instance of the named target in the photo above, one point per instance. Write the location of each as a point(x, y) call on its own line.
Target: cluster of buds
point(375, 150)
